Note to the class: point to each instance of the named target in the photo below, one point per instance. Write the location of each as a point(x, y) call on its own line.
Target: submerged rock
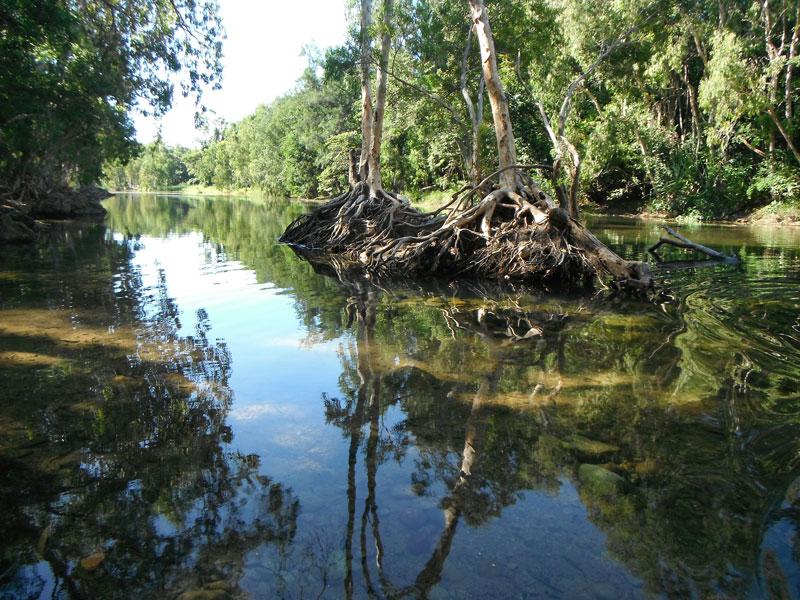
point(205, 594)
point(92, 562)
point(587, 447)
point(599, 481)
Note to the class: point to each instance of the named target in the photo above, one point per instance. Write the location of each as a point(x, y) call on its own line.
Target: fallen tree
point(508, 230)
point(685, 243)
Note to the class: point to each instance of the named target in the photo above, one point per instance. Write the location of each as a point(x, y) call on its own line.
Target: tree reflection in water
point(695, 409)
point(665, 440)
point(128, 489)
point(531, 395)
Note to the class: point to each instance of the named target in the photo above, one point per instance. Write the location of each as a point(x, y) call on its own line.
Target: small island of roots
point(505, 230)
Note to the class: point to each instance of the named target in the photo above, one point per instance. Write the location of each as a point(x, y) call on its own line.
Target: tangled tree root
point(505, 235)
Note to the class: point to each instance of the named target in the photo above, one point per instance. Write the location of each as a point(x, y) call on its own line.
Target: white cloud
point(252, 412)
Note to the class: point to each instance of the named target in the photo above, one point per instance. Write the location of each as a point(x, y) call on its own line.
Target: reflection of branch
point(355, 436)
point(431, 573)
point(370, 505)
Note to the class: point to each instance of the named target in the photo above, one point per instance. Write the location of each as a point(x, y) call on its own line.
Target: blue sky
point(263, 59)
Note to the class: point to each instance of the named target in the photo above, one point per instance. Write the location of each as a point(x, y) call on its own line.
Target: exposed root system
point(503, 235)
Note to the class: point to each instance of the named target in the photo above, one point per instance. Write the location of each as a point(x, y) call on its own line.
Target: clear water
point(189, 410)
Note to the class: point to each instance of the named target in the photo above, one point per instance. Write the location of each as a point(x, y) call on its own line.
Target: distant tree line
point(155, 167)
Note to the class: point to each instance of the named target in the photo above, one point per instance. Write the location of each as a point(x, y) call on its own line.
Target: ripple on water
point(748, 315)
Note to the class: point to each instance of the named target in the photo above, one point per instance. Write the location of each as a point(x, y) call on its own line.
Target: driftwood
point(681, 241)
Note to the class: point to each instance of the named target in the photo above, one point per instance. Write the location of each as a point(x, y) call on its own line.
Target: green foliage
point(157, 167)
point(778, 180)
point(724, 90)
point(290, 146)
point(683, 116)
point(71, 72)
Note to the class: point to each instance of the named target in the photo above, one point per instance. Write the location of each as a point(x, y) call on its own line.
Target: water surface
point(187, 408)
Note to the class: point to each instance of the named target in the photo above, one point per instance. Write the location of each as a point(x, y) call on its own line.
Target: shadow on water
point(487, 442)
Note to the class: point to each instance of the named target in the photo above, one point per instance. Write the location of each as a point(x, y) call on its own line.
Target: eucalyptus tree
point(439, 70)
point(515, 231)
point(369, 166)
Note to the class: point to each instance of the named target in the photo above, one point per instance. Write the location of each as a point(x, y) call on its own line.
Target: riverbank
point(775, 213)
point(194, 190)
point(20, 222)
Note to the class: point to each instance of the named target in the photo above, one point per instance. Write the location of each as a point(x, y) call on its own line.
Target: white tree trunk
point(475, 112)
point(506, 150)
point(374, 175)
point(367, 116)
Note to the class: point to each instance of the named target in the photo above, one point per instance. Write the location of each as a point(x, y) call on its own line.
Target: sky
point(262, 60)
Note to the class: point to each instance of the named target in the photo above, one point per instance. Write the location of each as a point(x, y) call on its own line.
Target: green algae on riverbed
point(186, 399)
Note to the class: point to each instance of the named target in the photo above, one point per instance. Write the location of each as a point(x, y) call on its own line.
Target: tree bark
point(506, 149)
point(367, 116)
point(475, 112)
point(374, 176)
point(352, 164)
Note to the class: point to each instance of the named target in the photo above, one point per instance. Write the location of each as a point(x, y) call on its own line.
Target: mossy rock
point(587, 447)
point(599, 481)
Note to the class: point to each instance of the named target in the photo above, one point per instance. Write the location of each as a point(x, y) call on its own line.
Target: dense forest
point(687, 107)
point(684, 106)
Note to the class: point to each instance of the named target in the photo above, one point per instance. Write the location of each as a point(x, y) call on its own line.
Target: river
point(190, 410)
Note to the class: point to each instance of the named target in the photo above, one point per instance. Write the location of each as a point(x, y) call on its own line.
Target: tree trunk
point(506, 150)
point(352, 167)
point(774, 53)
point(787, 138)
point(691, 94)
point(367, 116)
point(475, 112)
point(788, 100)
point(476, 132)
point(374, 176)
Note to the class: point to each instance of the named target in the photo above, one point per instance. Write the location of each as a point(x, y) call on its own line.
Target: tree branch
point(784, 133)
point(453, 112)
